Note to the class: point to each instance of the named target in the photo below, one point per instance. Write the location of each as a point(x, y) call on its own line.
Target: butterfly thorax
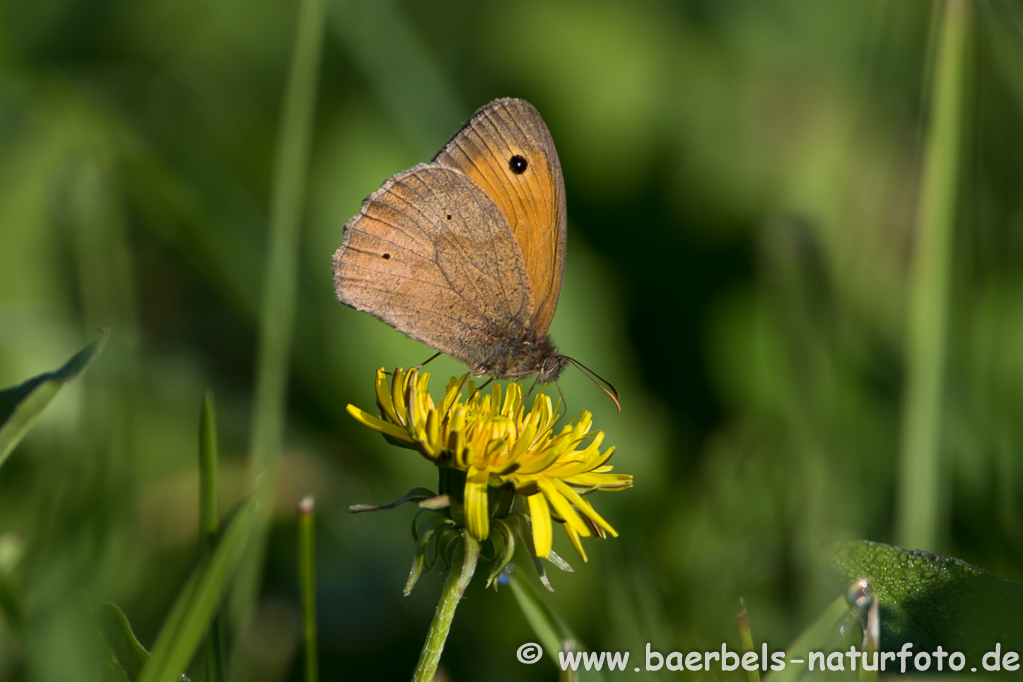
point(520, 356)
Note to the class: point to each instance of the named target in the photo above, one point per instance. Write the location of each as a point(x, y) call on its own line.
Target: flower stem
point(307, 578)
point(454, 587)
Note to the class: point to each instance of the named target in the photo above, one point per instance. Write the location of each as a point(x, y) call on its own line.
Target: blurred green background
point(742, 182)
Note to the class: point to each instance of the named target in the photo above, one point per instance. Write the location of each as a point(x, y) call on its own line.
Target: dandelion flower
point(498, 446)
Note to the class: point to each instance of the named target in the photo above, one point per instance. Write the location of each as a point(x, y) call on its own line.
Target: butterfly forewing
point(432, 255)
point(530, 195)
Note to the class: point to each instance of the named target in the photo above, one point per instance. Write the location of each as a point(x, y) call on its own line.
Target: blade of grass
point(12, 548)
point(130, 655)
point(746, 637)
point(209, 521)
point(818, 637)
point(21, 405)
point(209, 518)
point(307, 578)
point(547, 627)
point(419, 97)
point(278, 309)
point(919, 482)
point(554, 635)
point(193, 611)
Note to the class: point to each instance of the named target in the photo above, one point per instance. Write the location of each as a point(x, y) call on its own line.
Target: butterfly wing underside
point(532, 202)
point(431, 255)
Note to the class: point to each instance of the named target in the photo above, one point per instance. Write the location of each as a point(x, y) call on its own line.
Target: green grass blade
point(130, 655)
point(12, 548)
point(418, 97)
point(746, 637)
point(307, 578)
point(919, 467)
point(193, 611)
point(550, 629)
point(209, 518)
point(21, 405)
point(278, 310)
point(209, 522)
point(819, 636)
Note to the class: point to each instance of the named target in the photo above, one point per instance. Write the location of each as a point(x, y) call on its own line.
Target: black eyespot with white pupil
point(517, 164)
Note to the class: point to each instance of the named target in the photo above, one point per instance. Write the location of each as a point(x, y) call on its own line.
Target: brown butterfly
point(467, 253)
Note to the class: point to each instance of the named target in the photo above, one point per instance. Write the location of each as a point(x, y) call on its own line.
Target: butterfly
point(466, 253)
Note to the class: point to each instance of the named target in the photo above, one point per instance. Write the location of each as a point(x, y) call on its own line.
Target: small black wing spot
point(518, 164)
point(386, 256)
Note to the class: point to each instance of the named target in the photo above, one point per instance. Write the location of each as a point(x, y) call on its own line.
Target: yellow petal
point(599, 480)
point(384, 397)
point(583, 506)
point(453, 392)
point(476, 517)
point(455, 431)
point(562, 506)
point(512, 399)
point(573, 537)
point(540, 515)
point(525, 439)
point(379, 424)
point(433, 430)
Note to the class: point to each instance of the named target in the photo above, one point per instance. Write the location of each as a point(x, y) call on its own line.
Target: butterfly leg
point(483, 385)
point(428, 360)
point(421, 364)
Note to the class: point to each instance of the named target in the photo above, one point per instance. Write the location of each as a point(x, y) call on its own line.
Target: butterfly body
point(520, 356)
point(466, 253)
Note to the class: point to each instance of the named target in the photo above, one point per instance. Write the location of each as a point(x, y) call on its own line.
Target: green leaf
point(194, 609)
point(931, 600)
point(21, 405)
point(503, 539)
point(425, 552)
point(415, 495)
point(129, 654)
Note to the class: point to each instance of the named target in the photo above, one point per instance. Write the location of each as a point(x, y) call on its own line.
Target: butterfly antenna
point(605, 385)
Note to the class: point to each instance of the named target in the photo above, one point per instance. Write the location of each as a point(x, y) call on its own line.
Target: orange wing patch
point(507, 150)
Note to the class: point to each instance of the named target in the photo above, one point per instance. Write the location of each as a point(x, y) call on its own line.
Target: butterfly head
point(551, 368)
